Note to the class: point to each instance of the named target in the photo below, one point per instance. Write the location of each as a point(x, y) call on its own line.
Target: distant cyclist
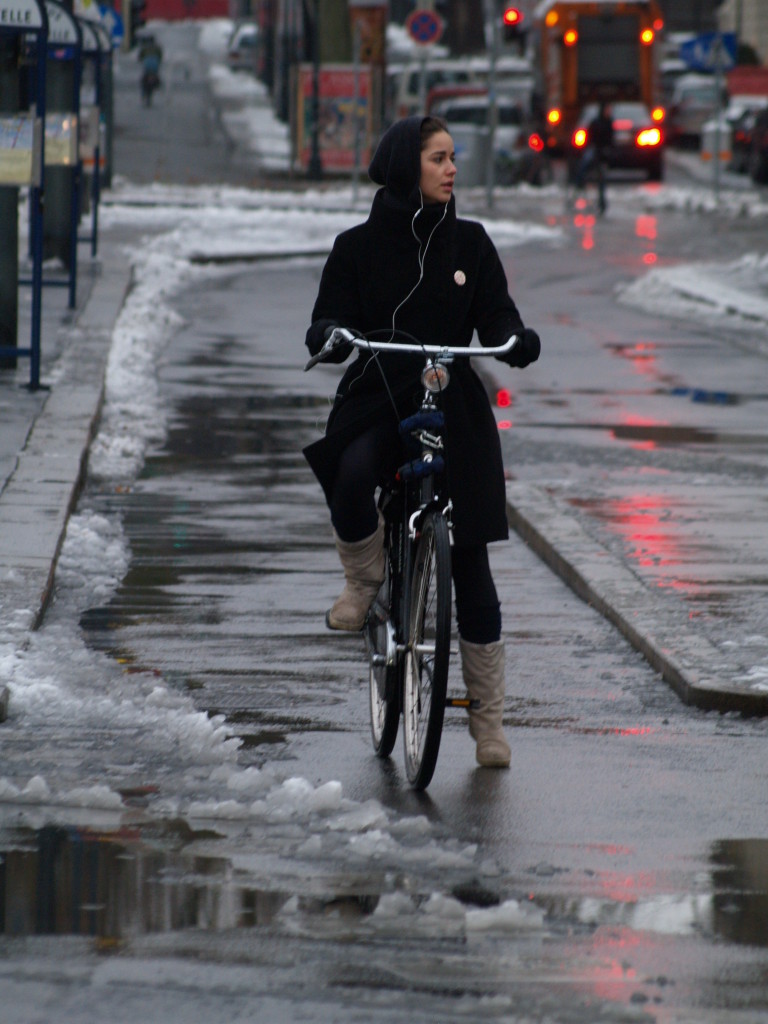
point(151, 57)
point(413, 266)
point(599, 141)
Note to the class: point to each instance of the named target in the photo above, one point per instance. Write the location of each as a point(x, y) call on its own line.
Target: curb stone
point(43, 487)
point(694, 667)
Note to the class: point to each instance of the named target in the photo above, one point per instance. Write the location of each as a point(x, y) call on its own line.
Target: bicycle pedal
point(461, 702)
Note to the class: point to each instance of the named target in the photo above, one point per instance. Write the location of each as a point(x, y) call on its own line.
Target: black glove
point(319, 333)
point(526, 351)
point(341, 351)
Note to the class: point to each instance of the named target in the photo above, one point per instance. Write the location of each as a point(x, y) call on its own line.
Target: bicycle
point(407, 631)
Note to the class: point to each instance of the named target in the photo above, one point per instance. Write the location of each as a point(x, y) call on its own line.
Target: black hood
point(396, 163)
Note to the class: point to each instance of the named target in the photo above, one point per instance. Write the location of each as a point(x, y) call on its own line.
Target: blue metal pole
point(36, 213)
point(76, 181)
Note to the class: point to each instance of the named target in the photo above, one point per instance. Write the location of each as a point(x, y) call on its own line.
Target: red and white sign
point(424, 27)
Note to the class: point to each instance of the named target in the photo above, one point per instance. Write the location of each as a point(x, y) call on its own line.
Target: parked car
point(695, 100)
point(242, 48)
point(409, 89)
point(406, 90)
point(516, 157)
point(758, 157)
point(742, 134)
point(638, 140)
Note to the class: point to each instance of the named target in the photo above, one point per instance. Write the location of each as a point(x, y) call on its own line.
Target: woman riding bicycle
point(414, 267)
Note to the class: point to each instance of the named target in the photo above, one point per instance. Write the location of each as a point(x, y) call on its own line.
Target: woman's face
point(437, 168)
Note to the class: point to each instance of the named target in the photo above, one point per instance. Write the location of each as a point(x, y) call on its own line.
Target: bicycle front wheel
point(429, 646)
point(383, 683)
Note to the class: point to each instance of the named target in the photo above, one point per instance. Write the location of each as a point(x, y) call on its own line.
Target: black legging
point(365, 463)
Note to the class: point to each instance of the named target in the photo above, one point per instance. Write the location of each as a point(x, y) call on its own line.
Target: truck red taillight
point(536, 142)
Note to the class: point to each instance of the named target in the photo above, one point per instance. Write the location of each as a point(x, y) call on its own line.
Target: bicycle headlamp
point(435, 377)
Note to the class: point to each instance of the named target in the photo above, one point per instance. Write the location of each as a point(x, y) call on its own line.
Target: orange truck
point(590, 51)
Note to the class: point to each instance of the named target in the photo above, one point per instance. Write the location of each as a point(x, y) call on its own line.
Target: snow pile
point(698, 199)
point(232, 224)
point(133, 415)
point(665, 914)
point(434, 916)
point(37, 791)
point(93, 559)
point(733, 291)
point(213, 35)
point(251, 122)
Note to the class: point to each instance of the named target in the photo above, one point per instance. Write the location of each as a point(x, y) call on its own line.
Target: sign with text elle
point(23, 15)
point(336, 122)
point(62, 26)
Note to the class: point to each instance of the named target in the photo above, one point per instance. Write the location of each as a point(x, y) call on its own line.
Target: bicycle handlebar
point(339, 335)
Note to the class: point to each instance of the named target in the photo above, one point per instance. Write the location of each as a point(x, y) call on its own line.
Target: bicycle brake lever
point(316, 358)
point(338, 336)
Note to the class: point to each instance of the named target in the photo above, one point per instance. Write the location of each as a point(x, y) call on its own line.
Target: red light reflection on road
point(504, 424)
point(585, 222)
point(644, 520)
point(646, 228)
point(646, 523)
point(653, 532)
point(637, 442)
point(607, 974)
point(642, 356)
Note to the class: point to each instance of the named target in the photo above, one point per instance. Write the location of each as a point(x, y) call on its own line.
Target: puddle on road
point(139, 880)
point(659, 434)
point(740, 879)
point(135, 881)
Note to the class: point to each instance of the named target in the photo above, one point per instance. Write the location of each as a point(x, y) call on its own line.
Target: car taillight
point(649, 137)
point(580, 138)
point(536, 142)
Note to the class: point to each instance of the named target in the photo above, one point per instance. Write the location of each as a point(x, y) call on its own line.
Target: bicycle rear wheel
point(425, 678)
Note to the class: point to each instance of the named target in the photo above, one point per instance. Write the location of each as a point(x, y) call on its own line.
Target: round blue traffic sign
point(424, 26)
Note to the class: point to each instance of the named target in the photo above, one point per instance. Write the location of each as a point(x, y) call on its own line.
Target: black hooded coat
point(371, 278)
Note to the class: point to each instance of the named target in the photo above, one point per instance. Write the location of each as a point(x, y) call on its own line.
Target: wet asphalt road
point(620, 801)
point(619, 798)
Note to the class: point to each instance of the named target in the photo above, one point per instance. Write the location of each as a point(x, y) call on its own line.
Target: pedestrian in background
point(599, 141)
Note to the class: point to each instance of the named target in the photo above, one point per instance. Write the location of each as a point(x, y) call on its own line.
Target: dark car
point(638, 140)
point(741, 120)
point(758, 157)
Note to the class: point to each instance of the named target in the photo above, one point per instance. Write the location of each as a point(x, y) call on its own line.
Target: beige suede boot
point(363, 564)
point(483, 669)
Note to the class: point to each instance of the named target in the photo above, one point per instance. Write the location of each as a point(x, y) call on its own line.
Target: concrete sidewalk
point(696, 669)
point(46, 435)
